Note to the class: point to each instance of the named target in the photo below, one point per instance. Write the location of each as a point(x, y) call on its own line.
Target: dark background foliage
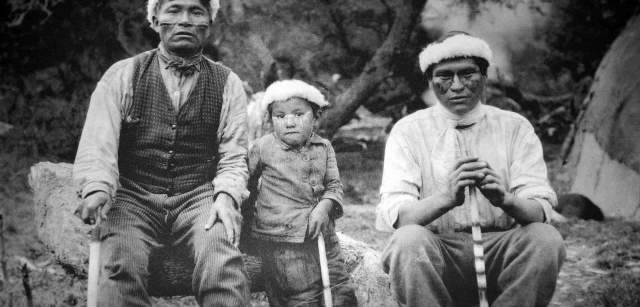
point(54, 52)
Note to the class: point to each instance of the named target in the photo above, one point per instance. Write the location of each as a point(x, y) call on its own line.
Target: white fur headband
point(459, 45)
point(285, 89)
point(214, 5)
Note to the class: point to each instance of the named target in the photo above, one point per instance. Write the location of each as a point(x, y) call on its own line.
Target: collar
point(470, 118)
point(314, 139)
point(186, 66)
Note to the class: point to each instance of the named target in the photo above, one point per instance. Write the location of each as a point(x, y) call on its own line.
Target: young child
point(296, 187)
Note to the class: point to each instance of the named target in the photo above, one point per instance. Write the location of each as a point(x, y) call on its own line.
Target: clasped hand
point(472, 172)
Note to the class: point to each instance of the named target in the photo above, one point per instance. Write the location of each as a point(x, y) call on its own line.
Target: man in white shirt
point(162, 160)
point(430, 256)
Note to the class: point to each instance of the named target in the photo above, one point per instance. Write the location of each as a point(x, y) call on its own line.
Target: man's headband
point(285, 89)
point(214, 6)
point(455, 46)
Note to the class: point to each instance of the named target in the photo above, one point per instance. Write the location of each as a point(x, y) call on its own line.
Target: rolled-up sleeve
point(96, 163)
point(332, 183)
point(400, 181)
point(231, 176)
point(529, 172)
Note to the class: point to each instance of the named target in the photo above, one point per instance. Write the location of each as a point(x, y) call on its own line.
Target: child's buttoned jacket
point(287, 183)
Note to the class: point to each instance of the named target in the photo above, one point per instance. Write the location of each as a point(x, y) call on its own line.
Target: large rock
point(55, 199)
point(605, 156)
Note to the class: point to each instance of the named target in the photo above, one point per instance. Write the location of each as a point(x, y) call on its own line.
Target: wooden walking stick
point(94, 268)
point(476, 233)
point(324, 272)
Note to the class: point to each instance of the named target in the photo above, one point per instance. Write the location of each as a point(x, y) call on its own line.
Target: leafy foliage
point(51, 64)
point(54, 52)
point(582, 31)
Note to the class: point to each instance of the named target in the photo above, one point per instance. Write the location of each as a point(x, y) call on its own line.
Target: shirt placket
point(177, 94)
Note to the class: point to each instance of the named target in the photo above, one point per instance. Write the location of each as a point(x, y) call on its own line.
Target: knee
point(212, 247)
point(124, 261)
point(409, 242)
point(411, 238)
point(544, 238)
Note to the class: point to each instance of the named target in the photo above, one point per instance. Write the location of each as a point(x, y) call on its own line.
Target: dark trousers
point(292, 273)
point(140, 222)
point(427, 269)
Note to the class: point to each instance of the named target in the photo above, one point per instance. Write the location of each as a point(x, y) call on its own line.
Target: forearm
point(232, 174)
point(524, 211)
point(96, 166)
point(231, 179)
point(423, 212)
point(226, 200)
point(325, 205)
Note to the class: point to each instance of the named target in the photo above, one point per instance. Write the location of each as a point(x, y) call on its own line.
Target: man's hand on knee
point(94, 207)
point(224, 210)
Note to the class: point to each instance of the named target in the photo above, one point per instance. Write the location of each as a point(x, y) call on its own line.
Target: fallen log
point(65, 236)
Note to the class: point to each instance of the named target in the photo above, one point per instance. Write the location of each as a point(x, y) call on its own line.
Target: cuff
point(336, 210)
point(96, 186)
point(387, 210)
point(546, 208)
point(237, 200)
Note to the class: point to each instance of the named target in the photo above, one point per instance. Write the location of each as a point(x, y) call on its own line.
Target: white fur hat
point(285, 89)
point(457, 45)
point(214, 6)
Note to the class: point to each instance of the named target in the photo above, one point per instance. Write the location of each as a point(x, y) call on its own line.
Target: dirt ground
point(602, 267)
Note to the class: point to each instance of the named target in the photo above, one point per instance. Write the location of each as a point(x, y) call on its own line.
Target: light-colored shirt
point(421, 151)
point(96, 164)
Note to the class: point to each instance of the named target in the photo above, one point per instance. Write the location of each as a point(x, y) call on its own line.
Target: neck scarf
point(462, 121)
point(184, 66)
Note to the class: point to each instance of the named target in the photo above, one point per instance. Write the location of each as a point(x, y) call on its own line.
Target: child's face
point(292, 120)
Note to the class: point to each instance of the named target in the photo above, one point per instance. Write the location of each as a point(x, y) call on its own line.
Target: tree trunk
point(55, 199)
point(376, 70)
point(605, 154)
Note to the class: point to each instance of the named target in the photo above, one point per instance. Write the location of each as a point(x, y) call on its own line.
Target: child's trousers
point(292, 273)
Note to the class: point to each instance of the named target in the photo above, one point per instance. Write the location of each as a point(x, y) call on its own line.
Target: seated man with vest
point(161, 160)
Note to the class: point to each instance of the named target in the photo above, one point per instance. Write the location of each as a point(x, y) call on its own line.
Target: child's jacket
point(287, 183)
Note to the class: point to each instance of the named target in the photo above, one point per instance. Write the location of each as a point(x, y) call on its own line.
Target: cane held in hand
point(324, 271)
point(94, 267)
point(476, 233)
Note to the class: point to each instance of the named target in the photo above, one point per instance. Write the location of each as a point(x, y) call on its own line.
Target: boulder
point(66, 237)
point(604, 159)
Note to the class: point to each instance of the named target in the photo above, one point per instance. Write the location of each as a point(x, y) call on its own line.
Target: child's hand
point(319, 218)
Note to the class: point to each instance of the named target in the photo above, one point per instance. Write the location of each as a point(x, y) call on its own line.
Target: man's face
point(458, 85)
point(183, 25)
point(292, 121)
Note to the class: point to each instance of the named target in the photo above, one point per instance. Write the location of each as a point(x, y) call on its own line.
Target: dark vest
point(164, 150)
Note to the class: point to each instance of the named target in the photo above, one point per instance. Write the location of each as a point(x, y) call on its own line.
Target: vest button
point(172, 164)
point(171, 152)
point(173, 126)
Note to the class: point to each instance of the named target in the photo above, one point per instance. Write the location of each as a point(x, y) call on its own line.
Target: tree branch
point(375, 71)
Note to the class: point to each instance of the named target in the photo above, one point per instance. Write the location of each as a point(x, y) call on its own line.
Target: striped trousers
point(427, 269)
point(140, 222)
